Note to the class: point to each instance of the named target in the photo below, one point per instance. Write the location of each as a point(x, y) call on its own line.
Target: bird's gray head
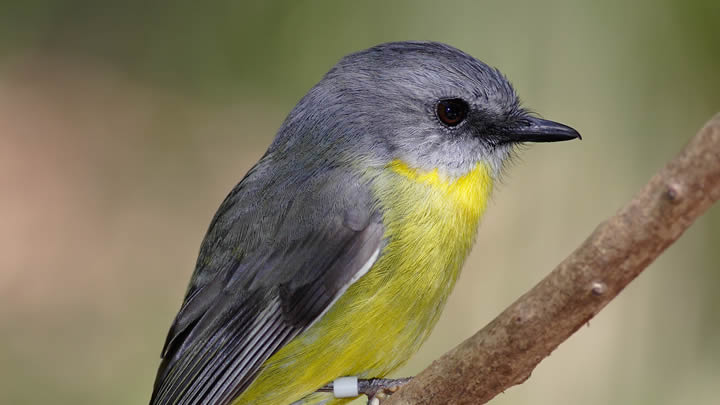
point(427, 104)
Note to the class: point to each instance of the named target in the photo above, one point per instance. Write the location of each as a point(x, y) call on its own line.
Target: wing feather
point(243, 307)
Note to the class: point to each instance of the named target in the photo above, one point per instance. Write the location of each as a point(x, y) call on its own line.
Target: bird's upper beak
point(533, 129)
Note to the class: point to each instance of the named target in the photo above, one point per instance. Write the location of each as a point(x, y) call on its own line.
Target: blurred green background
point(124, 124)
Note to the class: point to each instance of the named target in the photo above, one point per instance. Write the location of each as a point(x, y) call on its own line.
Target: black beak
point(533, 129)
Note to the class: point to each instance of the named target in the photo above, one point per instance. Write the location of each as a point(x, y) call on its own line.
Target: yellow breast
point(381, 320)
point(431, 222)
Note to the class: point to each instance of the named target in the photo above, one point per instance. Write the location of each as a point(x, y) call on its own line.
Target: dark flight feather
point(268, 268)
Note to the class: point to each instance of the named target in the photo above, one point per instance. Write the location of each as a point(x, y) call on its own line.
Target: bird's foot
point(377, 389)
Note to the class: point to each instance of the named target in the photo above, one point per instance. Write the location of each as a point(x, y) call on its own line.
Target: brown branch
point(505, 352)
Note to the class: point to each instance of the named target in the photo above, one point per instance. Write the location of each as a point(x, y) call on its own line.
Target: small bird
point(335, 254)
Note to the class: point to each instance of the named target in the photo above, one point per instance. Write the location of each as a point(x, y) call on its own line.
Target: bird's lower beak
point(535, 129)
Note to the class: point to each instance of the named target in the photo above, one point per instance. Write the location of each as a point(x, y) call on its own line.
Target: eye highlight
point(452, 111)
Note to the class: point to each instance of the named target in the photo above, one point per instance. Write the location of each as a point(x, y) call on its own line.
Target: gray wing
point(277, 255)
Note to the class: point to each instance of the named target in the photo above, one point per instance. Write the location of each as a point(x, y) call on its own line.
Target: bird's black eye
point(452, 111)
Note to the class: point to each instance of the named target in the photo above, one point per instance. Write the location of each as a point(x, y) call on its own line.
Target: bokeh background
point(124, 124)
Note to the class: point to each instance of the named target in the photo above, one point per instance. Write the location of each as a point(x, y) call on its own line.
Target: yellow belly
point(382, 319)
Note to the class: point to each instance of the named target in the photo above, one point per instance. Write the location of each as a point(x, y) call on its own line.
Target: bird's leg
point(376, 389)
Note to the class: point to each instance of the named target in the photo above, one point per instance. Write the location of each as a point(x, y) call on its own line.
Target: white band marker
point(345, 387)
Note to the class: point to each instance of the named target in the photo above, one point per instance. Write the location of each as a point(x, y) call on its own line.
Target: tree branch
point(505, 352)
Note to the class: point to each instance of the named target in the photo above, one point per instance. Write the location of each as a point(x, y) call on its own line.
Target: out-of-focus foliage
point(123, 125)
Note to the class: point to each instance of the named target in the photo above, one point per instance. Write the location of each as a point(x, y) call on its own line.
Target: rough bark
point(505, 352)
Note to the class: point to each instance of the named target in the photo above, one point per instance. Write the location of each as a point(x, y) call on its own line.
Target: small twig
point(505, 352)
